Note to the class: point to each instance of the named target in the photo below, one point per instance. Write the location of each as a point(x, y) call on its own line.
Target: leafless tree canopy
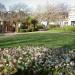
point(19, 12)
point(53, 13)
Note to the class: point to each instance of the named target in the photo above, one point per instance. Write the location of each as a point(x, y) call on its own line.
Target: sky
point(35, 3)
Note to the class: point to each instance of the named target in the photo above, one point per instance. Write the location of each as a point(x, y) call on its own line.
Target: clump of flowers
point(36, 61)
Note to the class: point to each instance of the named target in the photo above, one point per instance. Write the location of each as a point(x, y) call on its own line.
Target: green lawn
point(51, 40)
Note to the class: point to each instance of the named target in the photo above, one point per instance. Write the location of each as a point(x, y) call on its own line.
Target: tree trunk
point(16, 29)
point(34, 26)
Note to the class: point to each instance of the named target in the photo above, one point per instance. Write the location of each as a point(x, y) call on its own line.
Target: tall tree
point(19, 13)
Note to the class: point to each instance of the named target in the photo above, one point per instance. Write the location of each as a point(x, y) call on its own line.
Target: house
point(71, 17)
point(70, 21)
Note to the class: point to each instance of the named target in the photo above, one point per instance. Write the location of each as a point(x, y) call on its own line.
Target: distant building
point(70, 21)
point(71, 17)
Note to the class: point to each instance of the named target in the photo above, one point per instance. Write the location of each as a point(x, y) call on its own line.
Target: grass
point(51, 40)
point(63, 29)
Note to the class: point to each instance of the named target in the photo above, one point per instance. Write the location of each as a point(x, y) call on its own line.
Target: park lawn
point(51, 40)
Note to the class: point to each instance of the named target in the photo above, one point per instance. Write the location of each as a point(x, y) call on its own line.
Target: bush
point(36, 61)
point(64, 29)
point(40, 26)
point(69, 28)
point(30, 30)
point(53, 26)
point(22, 30)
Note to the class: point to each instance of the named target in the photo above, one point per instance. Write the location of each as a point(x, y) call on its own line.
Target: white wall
point(71, 16)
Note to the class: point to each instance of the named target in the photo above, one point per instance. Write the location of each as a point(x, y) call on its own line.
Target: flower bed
point(36, 61)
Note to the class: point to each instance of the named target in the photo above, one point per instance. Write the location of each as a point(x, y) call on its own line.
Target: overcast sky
point(35, 3)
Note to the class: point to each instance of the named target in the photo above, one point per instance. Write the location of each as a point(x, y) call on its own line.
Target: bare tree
point(53, 13)
point(19, 7)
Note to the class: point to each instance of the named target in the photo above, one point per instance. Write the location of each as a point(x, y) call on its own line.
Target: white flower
point(1, 65)
point(6, 51)
point(7, 64)
point(64, 64)
point(24, 53)
point(60, 65)
point(14, 60)
point(72, 63)
point(10, 64)
point(56, 66)
point(19, 61)
point(20, 58)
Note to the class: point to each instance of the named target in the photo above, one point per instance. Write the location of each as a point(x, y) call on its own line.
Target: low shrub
point(22, 30)
point(69, 28)
point(36, 61)
point(53, 26)
point(63, 29)
point(39, 26)
point(30, 30)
